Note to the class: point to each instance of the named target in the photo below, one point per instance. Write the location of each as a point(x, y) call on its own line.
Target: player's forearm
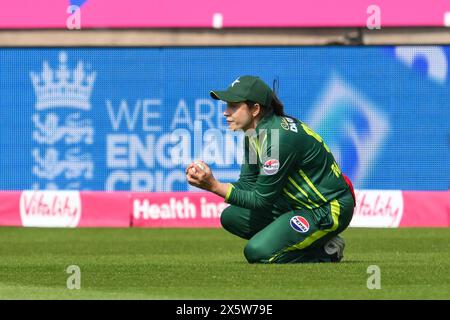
point(221, 189)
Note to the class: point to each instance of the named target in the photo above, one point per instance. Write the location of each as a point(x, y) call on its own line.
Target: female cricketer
point(291, 200)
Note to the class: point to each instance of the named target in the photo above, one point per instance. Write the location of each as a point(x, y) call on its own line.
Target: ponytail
point(277, 106)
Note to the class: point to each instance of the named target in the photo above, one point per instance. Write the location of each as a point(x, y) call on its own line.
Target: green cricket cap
point(246, 88)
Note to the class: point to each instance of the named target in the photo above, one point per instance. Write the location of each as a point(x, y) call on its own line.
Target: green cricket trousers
point(294, 236)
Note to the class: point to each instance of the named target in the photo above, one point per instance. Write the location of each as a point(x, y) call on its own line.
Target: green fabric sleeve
point(247, 178)
point(249, 172)
point(267, 187)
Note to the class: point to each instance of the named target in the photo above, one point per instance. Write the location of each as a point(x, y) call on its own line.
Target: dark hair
point(275, 106)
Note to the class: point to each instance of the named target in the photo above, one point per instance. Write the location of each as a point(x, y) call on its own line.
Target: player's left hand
point(200, 177)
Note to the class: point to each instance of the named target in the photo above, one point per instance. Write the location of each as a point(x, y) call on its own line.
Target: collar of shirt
point(264, 121)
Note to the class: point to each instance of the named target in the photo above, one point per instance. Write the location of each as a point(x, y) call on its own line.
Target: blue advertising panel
point(105, 118)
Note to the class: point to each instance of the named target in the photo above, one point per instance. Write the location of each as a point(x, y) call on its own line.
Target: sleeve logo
point(271, 166)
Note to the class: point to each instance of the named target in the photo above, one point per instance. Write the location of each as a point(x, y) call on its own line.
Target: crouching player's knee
point(233, 220)
point(256, 253)
point(227, 219)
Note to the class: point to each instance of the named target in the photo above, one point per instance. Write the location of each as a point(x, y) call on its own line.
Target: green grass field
point(209, 264)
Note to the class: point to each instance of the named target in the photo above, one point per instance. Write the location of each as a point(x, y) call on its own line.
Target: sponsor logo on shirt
point(271, 166)
point(299, 224)
point(284, 124)
point(288, 124)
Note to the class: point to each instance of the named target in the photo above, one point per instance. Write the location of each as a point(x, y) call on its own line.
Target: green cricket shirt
point(284, 158)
